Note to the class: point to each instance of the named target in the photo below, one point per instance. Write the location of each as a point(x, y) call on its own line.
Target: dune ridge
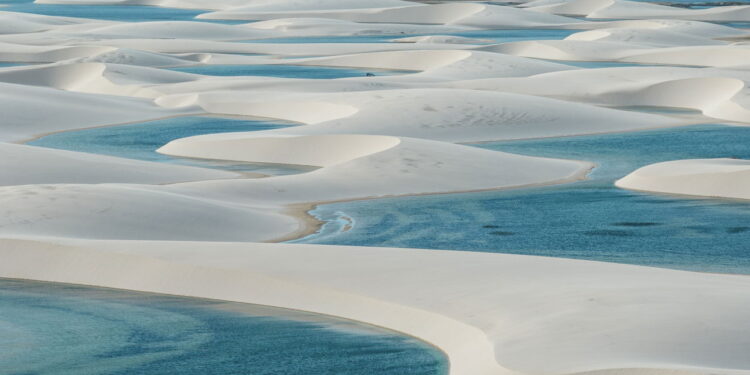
point(716, 178)
point(474, 306)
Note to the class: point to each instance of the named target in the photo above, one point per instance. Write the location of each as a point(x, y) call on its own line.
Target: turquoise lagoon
point(65, 329)
point(586, 220)
point(141, 140)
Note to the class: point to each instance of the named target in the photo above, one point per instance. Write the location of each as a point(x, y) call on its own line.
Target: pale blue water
point(282, 71)
point(586, 220)
point(126, 13)
point(141, 140)
point(63, 329)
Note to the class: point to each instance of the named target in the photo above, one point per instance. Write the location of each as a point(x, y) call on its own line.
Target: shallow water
point(282, 71)
point(586, 220)
point(141, 140)
point(64, 329)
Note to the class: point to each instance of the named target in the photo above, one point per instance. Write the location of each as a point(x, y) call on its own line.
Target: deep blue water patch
point(141, 140)
point(282, 71)
point(586, 220)
point(65, 329)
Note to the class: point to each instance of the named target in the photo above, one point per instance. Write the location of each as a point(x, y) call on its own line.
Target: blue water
point(64, 329)
point(141, 140)
point(497, 36)
point(586, 220)
point(281, 71)
point(126, 13)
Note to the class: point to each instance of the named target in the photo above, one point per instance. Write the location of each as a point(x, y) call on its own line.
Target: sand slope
point(25, 165)
point(67, 110)
point(720, 178)
point(492, 314)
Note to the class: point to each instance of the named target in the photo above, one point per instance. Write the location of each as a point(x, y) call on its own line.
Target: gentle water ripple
point(586, 220)
point(64, 329)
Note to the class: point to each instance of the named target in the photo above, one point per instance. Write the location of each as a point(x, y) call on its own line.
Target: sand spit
point(717, 178)
point(491, 314)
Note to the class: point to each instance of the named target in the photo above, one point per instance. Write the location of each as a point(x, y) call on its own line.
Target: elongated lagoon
point(587, 220)
point(141, 140)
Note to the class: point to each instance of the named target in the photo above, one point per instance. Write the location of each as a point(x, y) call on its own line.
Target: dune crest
point(718, 178)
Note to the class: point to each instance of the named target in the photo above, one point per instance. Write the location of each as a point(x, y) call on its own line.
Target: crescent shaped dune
point(721, 178)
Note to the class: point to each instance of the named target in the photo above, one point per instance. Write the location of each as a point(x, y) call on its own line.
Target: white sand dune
point(320, 150)
point(490, 313)
point(442, 64)
point(623, 9)
point(26, 165)
point(712, 92)
point(447, 115)
point(303, 27)
point(720, 178)
point(251, 210)
point(64, 110)
point(43, 54)
point(400, 167)
point(187, 4)
point(100, 78)
point(128, 56)
point(464, 14)
point(119, 211)
point(15, 23)
point(445, 39)
point(176, 30)
point(268, 6)
point(591, 49)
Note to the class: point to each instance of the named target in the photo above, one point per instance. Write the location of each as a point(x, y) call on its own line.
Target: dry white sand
point(718, 178)
point(491, 313)
point(113, 222)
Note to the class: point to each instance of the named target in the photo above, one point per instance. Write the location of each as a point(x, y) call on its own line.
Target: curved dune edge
point(608, 326)
point(267, 209)
point(714, 178)
point(621, 9)
point(318, 150)
point(25, 165)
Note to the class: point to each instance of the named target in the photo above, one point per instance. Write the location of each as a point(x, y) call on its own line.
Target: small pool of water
point(141, 140)
point(587, 220)
point(284, 71)
point(64, 329)
point(124, 13)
